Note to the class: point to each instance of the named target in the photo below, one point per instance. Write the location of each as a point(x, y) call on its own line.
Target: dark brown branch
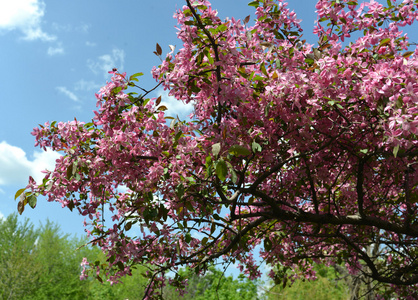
point(312, 184)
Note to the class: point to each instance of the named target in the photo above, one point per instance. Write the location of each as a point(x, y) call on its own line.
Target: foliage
point(19, 273)
point(212, 285)
point(307, 152)
point(132, 287)
point(60, 263)
point(327, 286)
point(43, 263)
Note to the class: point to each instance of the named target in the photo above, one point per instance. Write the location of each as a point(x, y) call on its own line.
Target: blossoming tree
point(307, 152)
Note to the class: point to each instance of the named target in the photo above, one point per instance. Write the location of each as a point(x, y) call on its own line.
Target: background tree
point(42, 263)
point(308, 151)
point(213, 285)
point(328, 285)
point(19, 272)
point(56, 254)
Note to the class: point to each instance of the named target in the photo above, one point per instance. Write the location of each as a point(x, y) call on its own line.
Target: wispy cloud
point(26, 16)
point(90, 44)
point(61, 27)
point(174, 106)
point(68, 93)
point(55, 50)
point(105, 63)
point(83, 28)
point(16, 167)
point(87, 85)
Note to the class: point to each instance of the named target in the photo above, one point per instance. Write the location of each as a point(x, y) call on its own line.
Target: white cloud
point(175, 107)
point(1, 216)
point(90, 44)
point(107, 62)
point(55, 50)
point(83, 28)
point(61, 27)
point(66, 92)
point(84, 85)
point(26, 16)
point(16, 167)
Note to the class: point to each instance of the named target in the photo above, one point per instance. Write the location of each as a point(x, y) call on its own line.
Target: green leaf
point(267, 109)
point(208, 161)
point(134, 76)
point(112, 259)
point(188, 237)
point(128, 226)
point(251, 200)
point(221, 27)
point(116, 90)
point(267, 244)
point(120, 265)
point(384, 42)
point(204, 241)
point(70, 205)
point(309, 61)
point(180, 191)
point(221, 169)
point(19, 192)
point(263, 70)
point(180, 225)
point(238, 150)
point(255, 147)
point(69, 171)
point(395, 150)
point(190, 207)
point(32, 201)
point(212, 228)
point(178, 135)
point(407, 54)
point(216, 148)
point(234, 176)
point(253, 3)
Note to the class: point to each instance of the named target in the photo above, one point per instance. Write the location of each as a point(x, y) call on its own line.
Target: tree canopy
point(42, 263)
point(304, 153)
point(213, 285)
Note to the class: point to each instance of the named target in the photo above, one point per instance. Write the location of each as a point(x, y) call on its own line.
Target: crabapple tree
point(304, 153)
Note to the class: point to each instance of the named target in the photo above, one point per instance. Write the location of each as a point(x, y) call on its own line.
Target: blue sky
point(56, 54)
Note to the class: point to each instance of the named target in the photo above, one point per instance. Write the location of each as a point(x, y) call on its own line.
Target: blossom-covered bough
point(307, 151)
